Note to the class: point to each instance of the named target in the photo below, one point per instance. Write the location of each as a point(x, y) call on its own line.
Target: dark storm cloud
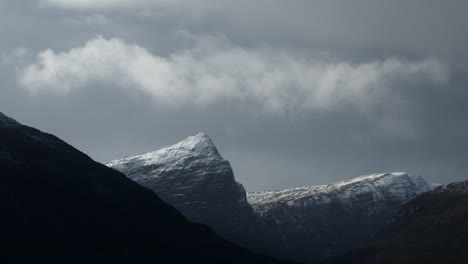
point(417, 26)
point(418, 124)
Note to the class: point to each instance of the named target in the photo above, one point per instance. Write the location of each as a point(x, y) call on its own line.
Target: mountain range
point(302, 224)
point(182, 204)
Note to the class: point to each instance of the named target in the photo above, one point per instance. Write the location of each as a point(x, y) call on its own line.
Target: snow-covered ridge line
point(459, 187)
point(346, 188)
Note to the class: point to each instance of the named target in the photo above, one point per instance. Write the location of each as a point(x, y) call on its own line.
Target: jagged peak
point(374, 176)
point(199, 146)
point(6, 121)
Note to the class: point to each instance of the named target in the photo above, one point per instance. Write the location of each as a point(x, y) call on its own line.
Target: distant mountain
point(432, 228)
point(193, 177)
point(305, 224)
point(320, 221)
point(58, 205)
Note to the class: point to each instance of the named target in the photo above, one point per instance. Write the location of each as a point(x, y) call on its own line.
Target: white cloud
point(214, 71)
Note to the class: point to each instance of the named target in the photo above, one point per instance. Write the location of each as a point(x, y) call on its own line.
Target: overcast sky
point(293, 93)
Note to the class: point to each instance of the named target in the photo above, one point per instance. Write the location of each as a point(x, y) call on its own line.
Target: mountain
point(332, 219)
point(304, 224)
point(193, 177)
point(58, 205)
point(432, 228)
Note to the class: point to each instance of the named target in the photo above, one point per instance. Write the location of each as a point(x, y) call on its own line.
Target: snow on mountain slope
point(334, 218)
point(193, 152)
point(193, 177)
point(304, 224)
point(432, 228)
point(456, 187)
point(397, 186)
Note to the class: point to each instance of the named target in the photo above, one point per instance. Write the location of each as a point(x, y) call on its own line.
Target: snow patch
point(194, 150)
point(397, 185)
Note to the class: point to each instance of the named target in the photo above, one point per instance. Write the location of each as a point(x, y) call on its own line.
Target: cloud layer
point(213, 71)
point(380, 103)
point(114, 4)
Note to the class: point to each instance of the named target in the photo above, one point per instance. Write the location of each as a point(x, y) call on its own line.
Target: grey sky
point(292, 92)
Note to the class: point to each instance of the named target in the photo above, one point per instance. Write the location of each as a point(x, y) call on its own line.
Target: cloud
point(179, 9)
point(89, 20)
point(90, 4)
point(109, 4)
point(366, 28)
point(215, 71)
point(14, 57)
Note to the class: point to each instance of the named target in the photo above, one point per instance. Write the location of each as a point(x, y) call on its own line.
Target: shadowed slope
point(432, 228)
point(59, 205)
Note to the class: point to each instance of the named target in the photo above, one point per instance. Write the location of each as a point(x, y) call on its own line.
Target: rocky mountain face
point(58, 205)
point(193, 177)
point(432, 228)
point(334, 218)
point(304, 224)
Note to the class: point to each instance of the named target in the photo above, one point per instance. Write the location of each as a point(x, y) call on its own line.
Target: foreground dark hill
point(57, 204)
point(432, 228)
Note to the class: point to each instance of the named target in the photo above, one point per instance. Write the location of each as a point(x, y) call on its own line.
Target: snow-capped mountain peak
point(193, 177)
point(197, 149)
point(200, 144)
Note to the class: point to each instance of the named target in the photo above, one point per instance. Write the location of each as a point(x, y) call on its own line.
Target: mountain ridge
point(7, 121)
point(192, 176)
point(61, 206)
point(333, 218)
point(286, 223)
point(272, 196)
point(432, 228)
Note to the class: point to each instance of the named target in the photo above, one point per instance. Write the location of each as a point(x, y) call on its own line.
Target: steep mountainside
point(58, 205)
point(305, 224)
point(334, 218)
point(433, 228)
point(193, 177)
